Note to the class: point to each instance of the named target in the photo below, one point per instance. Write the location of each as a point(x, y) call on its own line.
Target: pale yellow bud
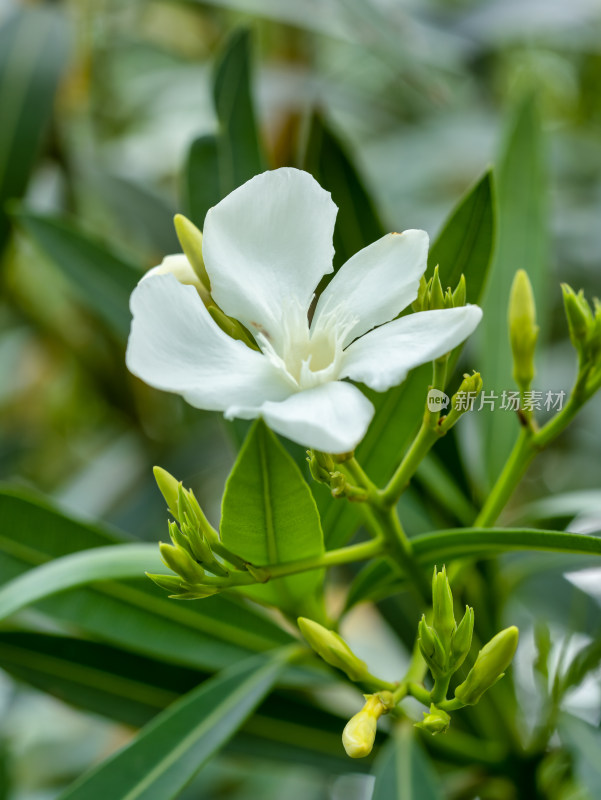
point(359, 733)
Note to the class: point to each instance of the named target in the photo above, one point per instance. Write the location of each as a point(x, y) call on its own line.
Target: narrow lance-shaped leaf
point(269, 516)
point(102, 279)
point(167, 754)
point(522, 244)
point(33, 53)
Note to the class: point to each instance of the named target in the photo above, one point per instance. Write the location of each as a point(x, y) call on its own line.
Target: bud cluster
point(430, 294)
point(584, 324)
point(199, 571)
point(324, 470)
point(444, 644)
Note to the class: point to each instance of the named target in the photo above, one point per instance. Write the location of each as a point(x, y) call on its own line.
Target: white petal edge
point(332, 417)
point(382, 358)
point(175, 345)
point(268, 244)
point(378, 282)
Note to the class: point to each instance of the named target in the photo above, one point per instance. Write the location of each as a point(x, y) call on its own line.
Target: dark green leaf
point(403, 771)
point(201, 180)
point(522, 243)
point(33, 53)
point(137, 616)
point(167, 754)
point(269, 516)
point(586, 660)
point(103, 280)
point(357, 223)
point(239, 149)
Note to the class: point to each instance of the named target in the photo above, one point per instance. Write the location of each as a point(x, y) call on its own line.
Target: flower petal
point(383, 358)
point(378, 282)
point(332, 417)
point(175, 345)
point(268, 243)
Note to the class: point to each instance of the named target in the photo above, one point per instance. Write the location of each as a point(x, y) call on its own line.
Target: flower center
point(310, 355)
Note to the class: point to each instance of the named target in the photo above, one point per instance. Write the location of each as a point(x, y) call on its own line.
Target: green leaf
point(78, 569)
point(102, 280)
point(403, 771)
point(132, 689)
point(399, 411)
point(33, 54)
point(435, 548)
point(201, 179)
point(137, 616)
point(586, 660)
point(167, 754)
point(269, 516)
point(357, 223)
point(522, 243)
point(240, 155)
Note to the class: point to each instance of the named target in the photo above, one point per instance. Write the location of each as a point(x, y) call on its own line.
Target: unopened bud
point(463, 400)
point(523, 330)
point(190, 239)
point(181, 562)
point(360, 731)
point(333, 649)
point(420, 302)
point(231, 326)
point(436, 294)
point(170, 583)
point(431, 648)
point(490, 666)
point(436, 721)
point(461, 641)
point(443, 618)
point(321, 466)
point(168, 487)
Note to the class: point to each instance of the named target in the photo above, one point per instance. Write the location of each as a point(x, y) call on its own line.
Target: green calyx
point(430, 294)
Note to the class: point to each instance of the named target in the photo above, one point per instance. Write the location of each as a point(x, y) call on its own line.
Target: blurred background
point(108, 126)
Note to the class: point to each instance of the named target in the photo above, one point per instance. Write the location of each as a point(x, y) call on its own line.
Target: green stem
point(422, 444)
point(332, 558)
point(522, 454)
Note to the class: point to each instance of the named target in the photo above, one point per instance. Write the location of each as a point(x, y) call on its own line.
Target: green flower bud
point(420, 302)
point(435, 293)
point(232, 327)
point(181, 562)
point(333, 649)
point(463, 400)
point(360, 731)
point(179, 538)
point(443, 618)
point(579, 317)
point(490, 666)
point(436, 721)
point(187, 505)
point(190, 239)
point(170, 583)
point(523, 330)
point(431, 648)
point(461, 641)
point(168, 486)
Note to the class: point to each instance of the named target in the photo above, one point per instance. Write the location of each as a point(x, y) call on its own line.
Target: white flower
point(266, 247)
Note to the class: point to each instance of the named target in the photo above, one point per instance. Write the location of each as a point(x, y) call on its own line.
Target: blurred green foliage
point(115, 115)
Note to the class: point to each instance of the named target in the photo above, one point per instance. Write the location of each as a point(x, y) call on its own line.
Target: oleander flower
point(266, 247)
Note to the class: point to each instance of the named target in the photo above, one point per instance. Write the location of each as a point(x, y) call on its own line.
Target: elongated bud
point(431, 648)
point(168, 487)
point(190, 239)
point(179, 538)
point(436, 294)
point(232, 327)
point(333, 649)
point(171, 583)
point(443, 618)
point(435, 721)
point(523, 330)
point(360, 731)
point(490, 666)
point(181, 562)
point(461, 641)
